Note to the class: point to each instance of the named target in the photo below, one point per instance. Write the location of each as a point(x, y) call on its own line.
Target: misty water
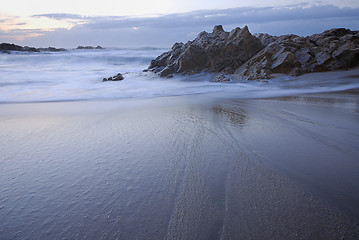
point(78, 74)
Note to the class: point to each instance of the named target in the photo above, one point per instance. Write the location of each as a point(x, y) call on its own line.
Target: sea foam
point(77, 75)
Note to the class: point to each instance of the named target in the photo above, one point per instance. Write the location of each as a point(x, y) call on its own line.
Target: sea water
point(77, 75)
point(187, 167)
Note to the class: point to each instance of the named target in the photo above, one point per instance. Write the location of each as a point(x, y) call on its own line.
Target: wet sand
point(191, 167)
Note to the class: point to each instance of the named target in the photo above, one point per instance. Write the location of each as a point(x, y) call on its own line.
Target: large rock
point(214, 52)
point(333, 49)
point(261, 55)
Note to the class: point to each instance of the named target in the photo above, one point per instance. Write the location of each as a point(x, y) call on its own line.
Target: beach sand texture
point(190, 167)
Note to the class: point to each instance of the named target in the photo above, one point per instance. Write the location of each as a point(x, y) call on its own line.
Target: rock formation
point(214, 52)
point(89, 47)
point(117, 77)
point(7, 47)
point(257, 57)
point(290, 54)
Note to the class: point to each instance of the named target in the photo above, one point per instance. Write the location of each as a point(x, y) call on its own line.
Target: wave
point(77, 75)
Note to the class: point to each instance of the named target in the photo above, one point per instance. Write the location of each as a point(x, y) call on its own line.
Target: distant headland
point(8, 47)
point(89, 47)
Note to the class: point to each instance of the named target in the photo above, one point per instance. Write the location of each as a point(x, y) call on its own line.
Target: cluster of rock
point(259, 56)
point(117, 77)
point(214, 52)
point(290, 54)
point(8, 47)
point(89, 47)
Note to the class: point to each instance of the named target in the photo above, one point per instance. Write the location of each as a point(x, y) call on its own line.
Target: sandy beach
point(189, 167)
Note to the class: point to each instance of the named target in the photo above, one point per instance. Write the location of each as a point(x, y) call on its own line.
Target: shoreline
point(186, 166)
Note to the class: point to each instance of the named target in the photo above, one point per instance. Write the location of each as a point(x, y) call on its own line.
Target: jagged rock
point(89, 47)
point(117, 77)
point(265, 38)
point(51, 49)
point(166, 72)
point(213, 52)
point(222, 78)
point(256, 57)
point(290, 54)
point(285, 63)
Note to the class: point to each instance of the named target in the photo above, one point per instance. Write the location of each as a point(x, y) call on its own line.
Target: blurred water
point(78, 74)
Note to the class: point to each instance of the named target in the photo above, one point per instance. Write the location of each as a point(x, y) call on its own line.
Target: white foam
point(77, 74)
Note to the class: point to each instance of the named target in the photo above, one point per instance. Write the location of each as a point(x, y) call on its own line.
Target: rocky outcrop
point(259, 56)
point(117, 77)
point(218, 51)
point(89, 47)
point(333, 49)
point(8, 47)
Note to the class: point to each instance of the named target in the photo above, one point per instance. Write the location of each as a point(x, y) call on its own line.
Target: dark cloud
point(226, 17)
point(164, 30)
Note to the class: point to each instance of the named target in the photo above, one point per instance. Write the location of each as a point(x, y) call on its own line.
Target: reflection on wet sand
point(236, 116)
point(189, 167)
point(346, 99)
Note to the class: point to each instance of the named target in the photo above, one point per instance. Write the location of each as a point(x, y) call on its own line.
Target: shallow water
point(194, 167)
point(78, 74)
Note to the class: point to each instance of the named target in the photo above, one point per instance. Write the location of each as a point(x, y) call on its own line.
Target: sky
point(160, 23)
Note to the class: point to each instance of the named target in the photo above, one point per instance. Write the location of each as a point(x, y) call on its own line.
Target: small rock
point(118, 77)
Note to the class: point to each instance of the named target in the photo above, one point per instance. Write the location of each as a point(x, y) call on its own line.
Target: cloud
point(164, 30)
point(60, 16)
point(19, 35)
point(229, 17)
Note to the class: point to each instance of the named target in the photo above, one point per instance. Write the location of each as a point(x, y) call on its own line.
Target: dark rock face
point(261, 55)
point(7, 47)
point(214, 52)
point(333, 49)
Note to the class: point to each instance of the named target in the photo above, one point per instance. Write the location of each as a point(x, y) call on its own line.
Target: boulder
point(117, 77)
point(212, 52)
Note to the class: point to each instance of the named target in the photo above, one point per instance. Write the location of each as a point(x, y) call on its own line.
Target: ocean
point(77, 75)
point(179, 158)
